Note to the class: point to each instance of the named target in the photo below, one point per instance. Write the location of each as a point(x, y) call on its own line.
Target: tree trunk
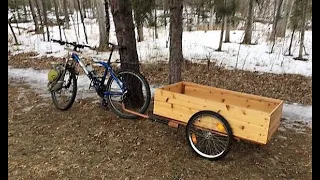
point(122, 16)
point(140, 32)
point(34, 17)
point(106, 9)
point(14, 17)
point(75, 2)
point(188, 20)
point(275, 22)
point(40, 18)
point(83, 9)
point(25, 11)
point(266, 8)
point(176, 30)
point(211, 20)
point(93, 5)
point(17, 11)
point(227, 21)
point(56, 10)
point(14, 35)
point(139, 25)
point(290, 45)
point(71, 6)
point(45, 18)
point(66, 14)
point(155, 24)
point(283, 22)
point(249, 22)
point(302, 30)
point(221, 34)
point(198, 16)
point(103, 43)
point(82, 21)
point(165, 18)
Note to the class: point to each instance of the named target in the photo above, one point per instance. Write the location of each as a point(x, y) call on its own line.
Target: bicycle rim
point(135, 98)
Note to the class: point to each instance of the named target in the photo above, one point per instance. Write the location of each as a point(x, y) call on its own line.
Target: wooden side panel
point(275, 120)
point(249, 116)
point(245, 123)
point(176, 87)
point(228, 98)
point(240, 94)
point(240, 129)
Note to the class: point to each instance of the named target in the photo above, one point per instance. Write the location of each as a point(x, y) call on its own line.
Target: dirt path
point(88, 142)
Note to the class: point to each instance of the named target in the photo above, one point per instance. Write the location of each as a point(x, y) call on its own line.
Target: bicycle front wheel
point(64, 98)
point(136, 96)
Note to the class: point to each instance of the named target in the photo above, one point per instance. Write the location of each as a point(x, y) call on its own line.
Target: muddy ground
point(90, 142)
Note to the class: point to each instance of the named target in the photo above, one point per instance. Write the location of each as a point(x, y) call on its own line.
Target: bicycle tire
point(203, 137)
point(73, 95)
point(118, 110)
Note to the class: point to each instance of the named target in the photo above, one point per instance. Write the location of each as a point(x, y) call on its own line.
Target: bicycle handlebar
point(75, 45)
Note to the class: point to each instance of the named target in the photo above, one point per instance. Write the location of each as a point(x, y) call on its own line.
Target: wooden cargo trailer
point(251, 117)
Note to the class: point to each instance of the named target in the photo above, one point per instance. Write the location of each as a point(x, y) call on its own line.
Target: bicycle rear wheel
point(137, 94)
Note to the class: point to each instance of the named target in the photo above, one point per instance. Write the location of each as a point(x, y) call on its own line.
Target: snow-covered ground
point(197, 45)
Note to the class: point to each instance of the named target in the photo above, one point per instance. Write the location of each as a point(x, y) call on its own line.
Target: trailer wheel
point(209, 135)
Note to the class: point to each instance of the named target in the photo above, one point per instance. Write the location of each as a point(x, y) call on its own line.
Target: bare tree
point(175, 33)
point(40, 18)
point(276, 19)
point(83, 9)
point(138, 18)
point(155, 24)
point(141, 8)
point(283, 21)
point(45, 18)
point(211, 20)
point(25, 10)
point(71, 4)
point(106, 9)
point(222, 9)
point(275, 24)
point(229, 12)
point(14, 35)
point(66, 14)
point(104, 40)
point(34, 17)
point(302, 31)
point(227, 22)
point(291, 39)
point(248, 31)
point(56, 10)
point(122, 16)
point(82, 21)
point(221, 33)
point(17, 11)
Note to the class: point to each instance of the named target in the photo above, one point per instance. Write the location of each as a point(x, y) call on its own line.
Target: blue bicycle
point(125, 88)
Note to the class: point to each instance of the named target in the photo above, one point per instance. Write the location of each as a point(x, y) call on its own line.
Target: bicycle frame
point(108, 69)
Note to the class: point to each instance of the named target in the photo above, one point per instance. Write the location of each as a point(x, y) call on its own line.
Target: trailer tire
point(212, 139)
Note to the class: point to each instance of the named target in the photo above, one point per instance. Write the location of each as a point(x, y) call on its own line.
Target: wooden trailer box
point(251, 117)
